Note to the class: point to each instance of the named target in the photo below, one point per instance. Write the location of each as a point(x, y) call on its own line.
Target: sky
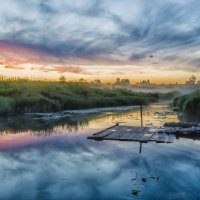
point(100, 39)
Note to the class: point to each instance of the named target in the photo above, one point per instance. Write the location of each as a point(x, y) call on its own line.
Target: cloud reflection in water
point(77, 168)
point(65, 165)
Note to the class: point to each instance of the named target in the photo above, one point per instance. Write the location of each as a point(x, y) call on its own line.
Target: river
point(55, 160)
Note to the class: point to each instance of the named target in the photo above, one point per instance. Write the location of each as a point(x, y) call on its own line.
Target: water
point(47, 161)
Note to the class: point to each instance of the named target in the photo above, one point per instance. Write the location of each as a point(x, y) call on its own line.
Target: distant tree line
point(121, 82)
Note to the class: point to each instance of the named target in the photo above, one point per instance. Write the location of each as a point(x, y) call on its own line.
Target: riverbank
point(31, 97)
point(189, 104)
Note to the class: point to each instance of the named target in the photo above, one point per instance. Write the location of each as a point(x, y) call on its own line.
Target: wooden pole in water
point(140, 147)
point(141, 115)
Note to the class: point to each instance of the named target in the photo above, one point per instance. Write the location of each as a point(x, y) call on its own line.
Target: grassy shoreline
point(24, 97)
point(189, 104)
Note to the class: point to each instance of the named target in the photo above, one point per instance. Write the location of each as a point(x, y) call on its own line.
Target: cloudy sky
point(104, 39)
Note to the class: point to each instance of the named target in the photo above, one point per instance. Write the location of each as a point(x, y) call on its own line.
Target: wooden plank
point(128, 137)
point(162, 138)
point(112, 136)
point(138, 137)
point(140, 133)
point(170, 130)
point(125, 133)
point(142, 130)
point(131, 133)
point(152, 131)
point(145, 138)
point(99, 137)
point(122, 132)
point(154, 137)
point(115, 135)
point(103, 133)
point(170, 138)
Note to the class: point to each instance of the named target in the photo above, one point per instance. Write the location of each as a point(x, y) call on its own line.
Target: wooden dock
point(133, 133)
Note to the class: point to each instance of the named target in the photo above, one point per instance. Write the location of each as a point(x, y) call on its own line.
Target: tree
point(97, 81)
point(117, 81)
point(122, 81)
point(82, 80)
point(62, 79)
point(192, 80)
point(125, 81)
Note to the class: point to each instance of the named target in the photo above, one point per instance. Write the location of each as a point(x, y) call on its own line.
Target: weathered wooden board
point(132, 133)
point(162, 138)
point(144, 138)
point(154, 137)
point(122, 133)
point(103, 133)
point(170, 138)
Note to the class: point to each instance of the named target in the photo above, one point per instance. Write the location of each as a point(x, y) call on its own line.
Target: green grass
point(30, 96)
point(189, 104)
point(5, 105)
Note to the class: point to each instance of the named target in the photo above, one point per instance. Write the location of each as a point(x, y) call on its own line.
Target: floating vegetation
point(144, 180)
point(136, 192)
point(140, 182)
point(155, 177)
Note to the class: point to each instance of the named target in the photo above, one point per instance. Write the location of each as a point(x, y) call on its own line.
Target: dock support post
point(140, 147)
point(141, 115)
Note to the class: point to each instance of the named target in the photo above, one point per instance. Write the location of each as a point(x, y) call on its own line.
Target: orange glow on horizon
point(21, 61)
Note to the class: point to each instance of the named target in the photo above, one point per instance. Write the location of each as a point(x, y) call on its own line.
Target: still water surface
point(55, 160)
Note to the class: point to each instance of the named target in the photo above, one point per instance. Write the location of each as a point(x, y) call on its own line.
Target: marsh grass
point(189, 104)
point(33, 96)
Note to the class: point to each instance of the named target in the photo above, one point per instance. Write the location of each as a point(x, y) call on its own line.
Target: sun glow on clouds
point(157, 40)
point(16, 60)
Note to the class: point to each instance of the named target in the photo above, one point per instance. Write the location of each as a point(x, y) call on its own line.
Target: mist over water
point(182, 88)
point(59, 162)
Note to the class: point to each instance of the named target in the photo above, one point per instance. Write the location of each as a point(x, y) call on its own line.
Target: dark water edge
point(189, 117)
point(59, 162)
